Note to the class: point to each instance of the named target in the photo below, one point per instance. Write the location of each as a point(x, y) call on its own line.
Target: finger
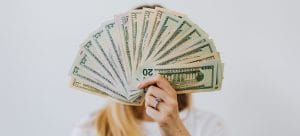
point(160, 81)
point(157, 92)
point(154, 114)
point(150, 101)
point(161, 106)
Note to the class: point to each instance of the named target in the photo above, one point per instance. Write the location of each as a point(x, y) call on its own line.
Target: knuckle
point(147, 93)
point(151, 88)
point(173, 103)
point(159, 77)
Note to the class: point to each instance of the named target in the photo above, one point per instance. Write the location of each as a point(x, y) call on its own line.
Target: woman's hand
point(165, 113)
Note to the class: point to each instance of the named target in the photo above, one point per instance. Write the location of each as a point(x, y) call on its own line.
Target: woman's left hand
point(165, 112)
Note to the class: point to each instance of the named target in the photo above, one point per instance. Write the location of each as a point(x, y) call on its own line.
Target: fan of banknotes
point(141, 43)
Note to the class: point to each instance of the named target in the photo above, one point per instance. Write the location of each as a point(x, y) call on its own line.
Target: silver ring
point(158, 100)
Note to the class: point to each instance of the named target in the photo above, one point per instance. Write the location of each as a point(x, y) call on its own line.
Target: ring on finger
point(158, 100)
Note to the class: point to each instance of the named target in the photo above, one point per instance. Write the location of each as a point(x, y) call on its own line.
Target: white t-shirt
point(198, 123)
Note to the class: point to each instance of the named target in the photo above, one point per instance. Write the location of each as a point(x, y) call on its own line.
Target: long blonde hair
point(117, 119)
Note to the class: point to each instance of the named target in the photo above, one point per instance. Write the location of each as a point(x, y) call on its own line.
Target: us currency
point(166, 32)
point(158, 16)
point(188, 78)
point(85, 70)
point(117, 62)
point(199, 59)
point(100, 58)
point(85, 87)
point(87, 64)
point(81, 85)
point(110, 28)
point(168, 23)
point(155, 22)
point(190, 39)
point(141, 43)
point(199, 48)
point(100, 38)
point(80, 74)
point(147, 24)
point(88, 49)
point(122, 25)
point(135, 28)
point(185, 25)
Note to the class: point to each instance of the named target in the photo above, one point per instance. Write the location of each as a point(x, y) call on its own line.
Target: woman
point(163, 113)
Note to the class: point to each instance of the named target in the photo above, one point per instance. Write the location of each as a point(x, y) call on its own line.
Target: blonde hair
point(117, 119)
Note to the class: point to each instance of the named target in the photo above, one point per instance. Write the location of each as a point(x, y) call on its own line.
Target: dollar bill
point(135, 29)
point(186, 78)
point(122, 25)
point(147, 24)
point(167, 25)
point(75, 83)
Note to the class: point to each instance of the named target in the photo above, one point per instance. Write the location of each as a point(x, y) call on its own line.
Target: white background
point(258, 41)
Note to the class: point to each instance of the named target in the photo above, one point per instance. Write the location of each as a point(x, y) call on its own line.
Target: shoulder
point(204, 123)
point(85, 126)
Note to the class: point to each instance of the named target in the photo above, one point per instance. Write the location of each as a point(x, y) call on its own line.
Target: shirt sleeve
point(215, 126)
point(85, 127)
point(220, 129)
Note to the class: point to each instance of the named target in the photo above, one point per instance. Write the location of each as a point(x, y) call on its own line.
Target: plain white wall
point(258, 41)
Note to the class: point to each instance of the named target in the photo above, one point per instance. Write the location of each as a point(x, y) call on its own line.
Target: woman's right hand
point(166, 113)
